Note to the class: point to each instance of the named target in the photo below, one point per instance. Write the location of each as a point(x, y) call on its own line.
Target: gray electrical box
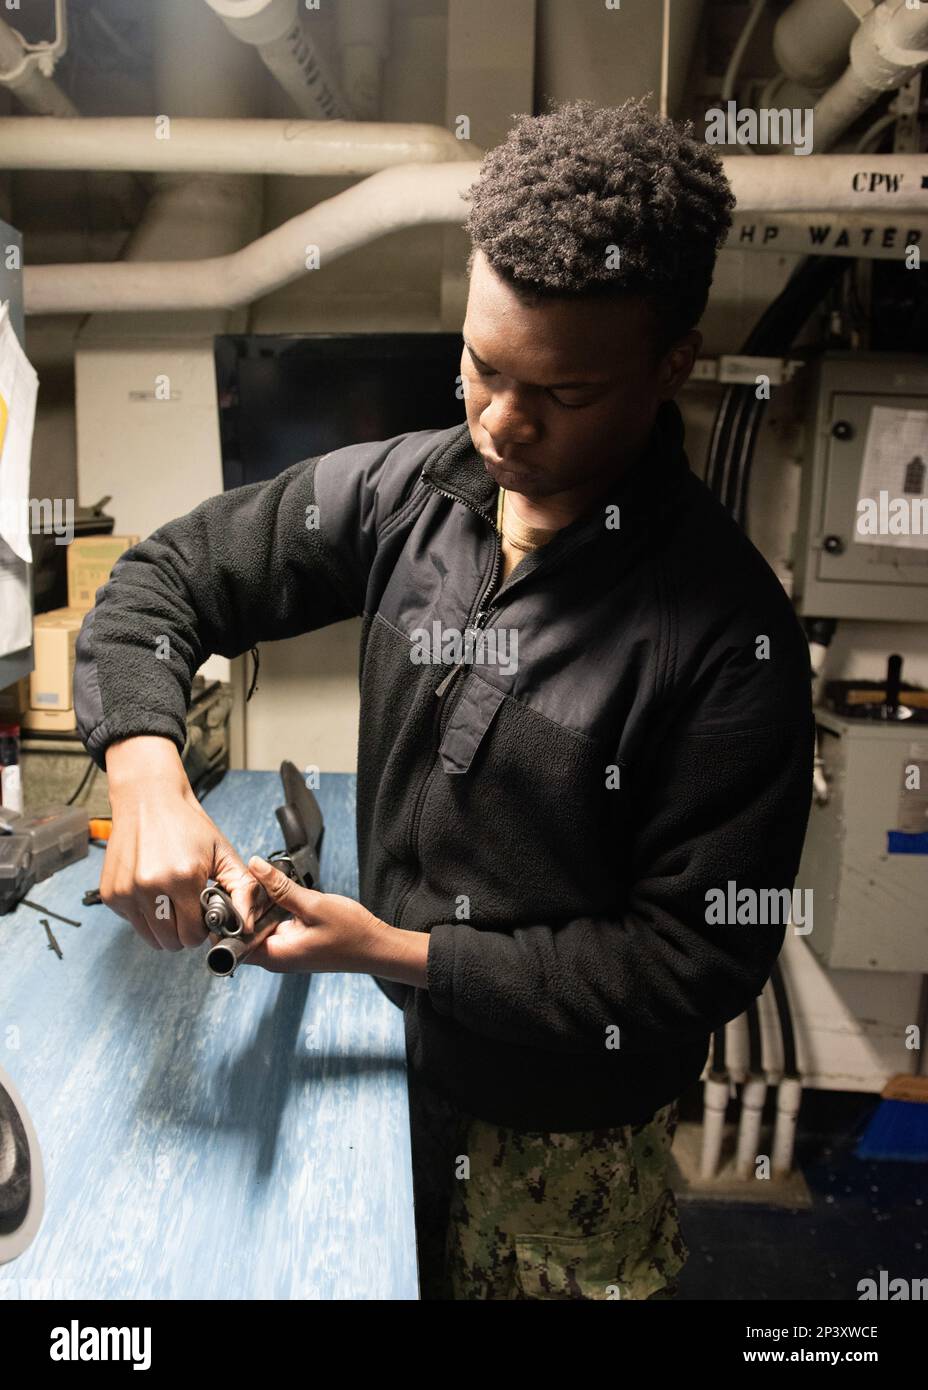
point(837, 576)
point(866, 851)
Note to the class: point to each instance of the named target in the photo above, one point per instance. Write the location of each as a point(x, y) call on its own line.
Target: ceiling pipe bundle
point(887, 50)
point(411, 195)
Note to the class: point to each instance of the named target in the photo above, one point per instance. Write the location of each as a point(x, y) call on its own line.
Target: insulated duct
point(200, 145)
point(888, 49)
point(811, 41)
point(281, 32)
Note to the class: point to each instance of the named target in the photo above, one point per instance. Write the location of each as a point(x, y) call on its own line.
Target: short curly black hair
point(564, 190)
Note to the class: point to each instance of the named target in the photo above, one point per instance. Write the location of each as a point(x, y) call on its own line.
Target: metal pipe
point(280, 31)
point(224, 958)
point(811, 39)
point(832, 183)
point(715, 1104)
point(408, 196)
point(22, 76)
point(882, 237)
point(235, 944)
point(363, 32)
point(236, 146)
point(888, 49)
point(747, 1147)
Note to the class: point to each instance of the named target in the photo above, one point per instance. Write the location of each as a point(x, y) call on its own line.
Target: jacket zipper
point(485, 603)
point(484, 607)
point(440, 691)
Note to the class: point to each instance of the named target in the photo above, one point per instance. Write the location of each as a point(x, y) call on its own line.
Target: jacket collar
point(647, 487)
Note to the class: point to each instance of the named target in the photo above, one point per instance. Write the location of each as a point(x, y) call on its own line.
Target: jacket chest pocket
point(470, 719)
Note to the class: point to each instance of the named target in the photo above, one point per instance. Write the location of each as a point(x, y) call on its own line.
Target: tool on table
point(37, 907)
point(52, 943)
point(35, 846)
point(300, 819)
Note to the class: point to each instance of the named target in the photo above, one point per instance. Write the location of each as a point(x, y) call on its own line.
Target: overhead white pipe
point(280, 31)
point(811, 39)
point(20, 73)
point(888, 49)
point(363, 34)
point(411, 195)
point(823, 234)
point(830, 183)
point(788, 183)
point(205, 76)
point(207, 146)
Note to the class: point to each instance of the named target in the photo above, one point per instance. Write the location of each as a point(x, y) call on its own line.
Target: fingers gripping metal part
point(219, 912)
point(300, 819)
point(235, 946)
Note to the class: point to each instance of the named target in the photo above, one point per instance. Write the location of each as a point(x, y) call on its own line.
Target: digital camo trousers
point(503, 1214)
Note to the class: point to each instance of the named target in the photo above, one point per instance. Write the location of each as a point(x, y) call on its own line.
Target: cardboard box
point(54, 636)
point(50, 721)
point(90, 560)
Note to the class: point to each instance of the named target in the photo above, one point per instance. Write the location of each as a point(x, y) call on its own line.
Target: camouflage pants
point(502, 1214)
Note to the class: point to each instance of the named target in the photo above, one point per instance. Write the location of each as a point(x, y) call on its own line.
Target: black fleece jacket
point(553, 814)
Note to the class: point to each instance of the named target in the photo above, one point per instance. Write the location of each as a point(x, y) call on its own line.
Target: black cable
point(786, 1020)
point(755, 1053)
point(720, 429)
point(741, 501)
point(762, 340)
point(737, 424)
point(746, 402)
point(256, 660)
point(90, 769)
point(782, 320)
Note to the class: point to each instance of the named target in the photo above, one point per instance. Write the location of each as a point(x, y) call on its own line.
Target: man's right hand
point(164, 847)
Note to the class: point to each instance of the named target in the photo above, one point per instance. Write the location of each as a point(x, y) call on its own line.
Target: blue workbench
point(208, 1138)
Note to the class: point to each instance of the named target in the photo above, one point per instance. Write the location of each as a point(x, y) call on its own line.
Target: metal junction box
point(866, 851)
point(836, 576)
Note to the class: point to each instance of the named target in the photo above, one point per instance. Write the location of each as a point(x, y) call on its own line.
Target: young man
point(545, 818)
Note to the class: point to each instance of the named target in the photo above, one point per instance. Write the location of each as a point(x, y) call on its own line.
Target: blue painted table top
point(208, 1138)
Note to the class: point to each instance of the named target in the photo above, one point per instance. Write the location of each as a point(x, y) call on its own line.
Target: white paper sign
point(18, 390)
point(15, 602)
point(892, 496)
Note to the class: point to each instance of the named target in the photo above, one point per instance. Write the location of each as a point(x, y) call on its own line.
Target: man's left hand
point(328, 932)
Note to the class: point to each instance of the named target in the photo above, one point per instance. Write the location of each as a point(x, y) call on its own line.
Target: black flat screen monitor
point(287, 397)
